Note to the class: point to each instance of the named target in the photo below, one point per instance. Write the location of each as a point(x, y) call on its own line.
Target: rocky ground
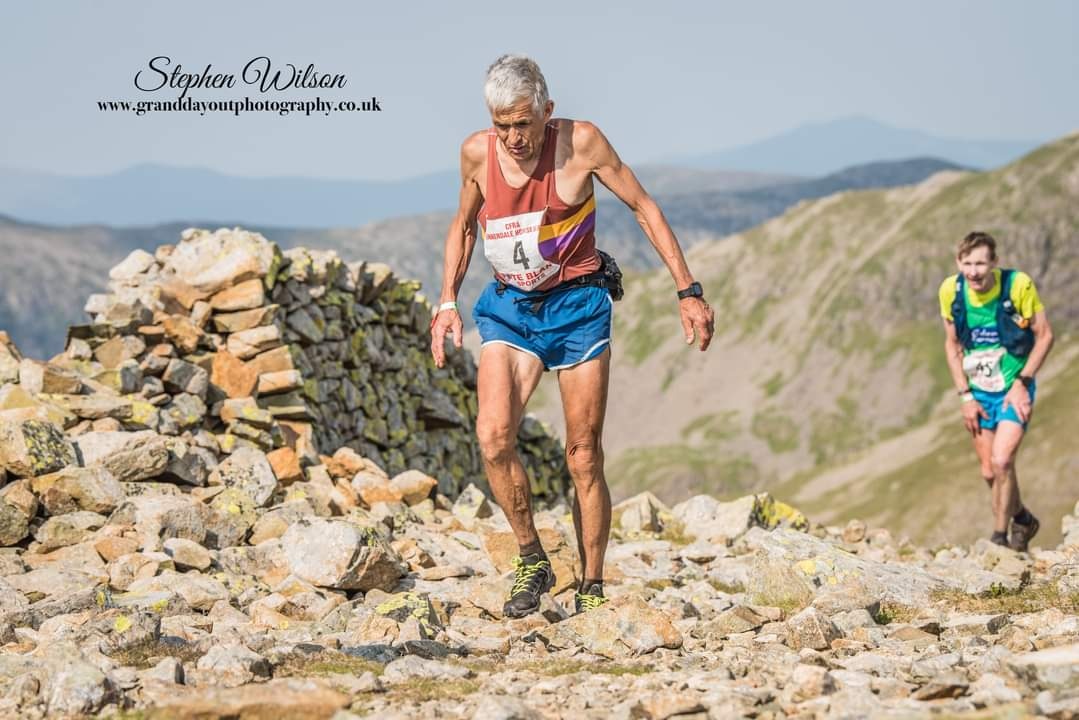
point(182, 537)
point(396, 612)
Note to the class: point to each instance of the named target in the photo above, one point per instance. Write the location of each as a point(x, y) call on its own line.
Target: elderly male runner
point(996, 337)
point(528, 182)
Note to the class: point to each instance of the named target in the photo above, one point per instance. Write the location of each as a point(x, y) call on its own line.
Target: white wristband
point(451, 305)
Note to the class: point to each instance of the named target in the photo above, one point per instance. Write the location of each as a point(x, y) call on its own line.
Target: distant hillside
point(821, 148)
point(699, 216)
point(826, 382)
point(58, 267)
point(155, 194)
point(43, 293)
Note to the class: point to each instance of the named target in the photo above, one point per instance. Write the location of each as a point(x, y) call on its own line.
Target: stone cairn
point(176, 540)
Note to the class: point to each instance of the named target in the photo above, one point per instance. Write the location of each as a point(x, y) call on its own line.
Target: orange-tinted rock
point(276, 360)
point(282, 381)
point(111, 548)
point(244, 319)
point(247, 344)
point(177, 295)
point(233, 376)
point(183, 333)
point(285, 464)
point(374, 488)
point(299, 436)
point(343, 498)
point(345, 463)
point(244, 296)
point(414, 486)
point(152, 333)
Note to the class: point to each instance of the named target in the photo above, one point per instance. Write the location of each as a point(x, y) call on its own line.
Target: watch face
point(694, 290)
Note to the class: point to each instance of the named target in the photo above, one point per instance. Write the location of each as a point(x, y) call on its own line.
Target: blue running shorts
point(563, 329)
point(991, 402)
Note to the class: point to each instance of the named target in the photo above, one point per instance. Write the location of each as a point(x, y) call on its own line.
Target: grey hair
point(513, 78)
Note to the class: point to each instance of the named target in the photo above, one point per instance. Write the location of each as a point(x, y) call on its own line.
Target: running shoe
point(590, 599)
point(1022, 534)
point(532, 577)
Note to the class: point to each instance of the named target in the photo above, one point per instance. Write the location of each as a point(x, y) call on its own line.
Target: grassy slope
point(933, 491)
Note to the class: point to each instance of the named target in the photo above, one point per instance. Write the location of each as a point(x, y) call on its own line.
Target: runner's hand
point(972, 411)
point(697, 320)
point(443, 322)
point(1019, 398)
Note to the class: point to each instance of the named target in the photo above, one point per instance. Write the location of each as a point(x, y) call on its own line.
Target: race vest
point(996, 339)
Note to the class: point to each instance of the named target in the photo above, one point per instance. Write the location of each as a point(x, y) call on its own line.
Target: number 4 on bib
point(512, 244)
point(519, 256)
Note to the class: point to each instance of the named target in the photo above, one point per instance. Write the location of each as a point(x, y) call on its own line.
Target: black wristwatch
point(1026, 380)
point(694, 290)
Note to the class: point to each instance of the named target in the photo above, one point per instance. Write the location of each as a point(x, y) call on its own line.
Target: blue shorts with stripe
point(562, 328)
point(993, 404)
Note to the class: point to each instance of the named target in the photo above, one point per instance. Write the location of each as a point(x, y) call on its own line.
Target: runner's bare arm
point(1018, 396)
point(953, 352)
point(460, 241)
point(603, 161)
point(620, 180)
point(461, 236)
point(1043, 342)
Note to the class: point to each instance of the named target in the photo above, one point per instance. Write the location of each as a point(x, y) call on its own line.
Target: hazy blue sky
point(661, 78)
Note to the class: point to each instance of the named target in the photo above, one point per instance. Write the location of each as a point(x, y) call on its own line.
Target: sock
point(1023, 517)
point(999, 537)
point(532, 549)
point(591, 587)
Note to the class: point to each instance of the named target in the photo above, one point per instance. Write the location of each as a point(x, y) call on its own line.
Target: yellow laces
point(590, 602)
point(523, 574)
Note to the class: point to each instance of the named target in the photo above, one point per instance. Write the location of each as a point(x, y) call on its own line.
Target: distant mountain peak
point(824, 147)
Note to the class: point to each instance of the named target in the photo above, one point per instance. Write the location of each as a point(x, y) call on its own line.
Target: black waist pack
point(612, 275)
point(608, 276)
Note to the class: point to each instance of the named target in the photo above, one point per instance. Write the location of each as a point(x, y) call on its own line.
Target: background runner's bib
point(511, 245)
point(997, 370)
point(983, 369)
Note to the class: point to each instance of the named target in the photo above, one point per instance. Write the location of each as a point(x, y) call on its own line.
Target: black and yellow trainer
point(588, 598)
point(532, 577)
point(1023, 532)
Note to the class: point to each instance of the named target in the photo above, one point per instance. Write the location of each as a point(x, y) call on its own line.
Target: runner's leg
point(506, 379)
point(584, 401)
point(1006, 500)
point(983, 446)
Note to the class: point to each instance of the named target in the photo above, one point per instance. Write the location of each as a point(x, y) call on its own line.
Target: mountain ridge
point(820, 148)
point(405, 243)
point(148, 193)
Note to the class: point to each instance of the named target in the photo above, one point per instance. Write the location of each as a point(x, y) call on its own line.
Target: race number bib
point(983, 369)
point(511, 244)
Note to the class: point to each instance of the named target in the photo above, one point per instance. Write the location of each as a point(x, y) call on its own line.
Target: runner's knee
point(584, 458)
point(1002, 463)
point(497, 441)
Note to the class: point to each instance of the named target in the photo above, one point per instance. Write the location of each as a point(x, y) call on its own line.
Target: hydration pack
point(1013, 329)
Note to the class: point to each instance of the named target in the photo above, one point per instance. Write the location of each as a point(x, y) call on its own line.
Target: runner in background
point(996, 337)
